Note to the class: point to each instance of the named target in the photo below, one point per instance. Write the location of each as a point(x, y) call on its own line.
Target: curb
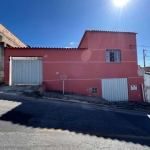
point(129, 106)
point(101, 104)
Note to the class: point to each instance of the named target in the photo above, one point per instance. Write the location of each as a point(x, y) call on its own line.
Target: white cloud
point(71, 43)
point(67, 47)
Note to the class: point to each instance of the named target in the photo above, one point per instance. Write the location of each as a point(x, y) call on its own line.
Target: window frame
point(117, 55)
point(94, 90)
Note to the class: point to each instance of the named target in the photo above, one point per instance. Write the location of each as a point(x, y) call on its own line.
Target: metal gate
point(25, 71)
point(115, 89)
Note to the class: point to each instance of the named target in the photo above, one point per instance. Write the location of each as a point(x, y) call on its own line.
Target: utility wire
point(147, 50)
point(142, 46)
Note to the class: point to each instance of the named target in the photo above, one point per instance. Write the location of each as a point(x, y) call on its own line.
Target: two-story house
point(104, 65)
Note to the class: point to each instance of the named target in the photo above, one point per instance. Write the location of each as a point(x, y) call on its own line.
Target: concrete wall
point(0, 38)
point(84, 68)
point(147, 87)
point(1, 61)
point(8, 38)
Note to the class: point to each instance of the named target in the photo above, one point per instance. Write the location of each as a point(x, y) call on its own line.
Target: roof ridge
point(109, 31)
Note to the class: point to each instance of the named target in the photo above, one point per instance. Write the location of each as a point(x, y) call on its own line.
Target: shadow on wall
point(79, 118)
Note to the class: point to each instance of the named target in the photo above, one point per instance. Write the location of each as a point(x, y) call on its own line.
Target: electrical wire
point(142, 46)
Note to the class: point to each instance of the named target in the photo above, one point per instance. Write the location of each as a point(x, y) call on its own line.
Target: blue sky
point(61, 23)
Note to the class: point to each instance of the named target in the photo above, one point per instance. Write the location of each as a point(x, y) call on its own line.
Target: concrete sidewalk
point(130, 105)
point(24, 90)
point(72, 96)
point(99, 101)
point(33, 92)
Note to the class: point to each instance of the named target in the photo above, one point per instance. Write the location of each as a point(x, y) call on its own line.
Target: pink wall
point(103, 40)
point(135, 95)
point(85, 67)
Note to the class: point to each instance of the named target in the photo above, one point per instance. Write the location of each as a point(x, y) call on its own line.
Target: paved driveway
point(50, 124)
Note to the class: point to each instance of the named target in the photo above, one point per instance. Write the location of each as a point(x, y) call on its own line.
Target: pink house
point(104, 65)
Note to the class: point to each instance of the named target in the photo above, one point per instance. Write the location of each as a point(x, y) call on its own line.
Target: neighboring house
point(7, 39)
point(147, 69)
point(104, 65)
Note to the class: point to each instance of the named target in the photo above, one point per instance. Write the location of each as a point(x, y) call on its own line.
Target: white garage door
point(25, 71)
point(115, 89)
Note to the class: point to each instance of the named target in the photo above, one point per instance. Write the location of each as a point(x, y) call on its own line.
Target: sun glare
point(120, 3)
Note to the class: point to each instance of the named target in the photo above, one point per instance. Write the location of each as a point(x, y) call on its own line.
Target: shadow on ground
point(79, 118)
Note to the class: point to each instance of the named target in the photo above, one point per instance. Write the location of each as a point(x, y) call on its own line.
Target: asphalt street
point(45, 124)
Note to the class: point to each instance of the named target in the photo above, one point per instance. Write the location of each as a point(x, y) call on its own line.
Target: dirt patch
point(32, 94)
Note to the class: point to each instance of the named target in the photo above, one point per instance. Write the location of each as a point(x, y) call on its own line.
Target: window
point(94, 90)
point(113, 56)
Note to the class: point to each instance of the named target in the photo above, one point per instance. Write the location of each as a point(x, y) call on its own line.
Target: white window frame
point(116, 55)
